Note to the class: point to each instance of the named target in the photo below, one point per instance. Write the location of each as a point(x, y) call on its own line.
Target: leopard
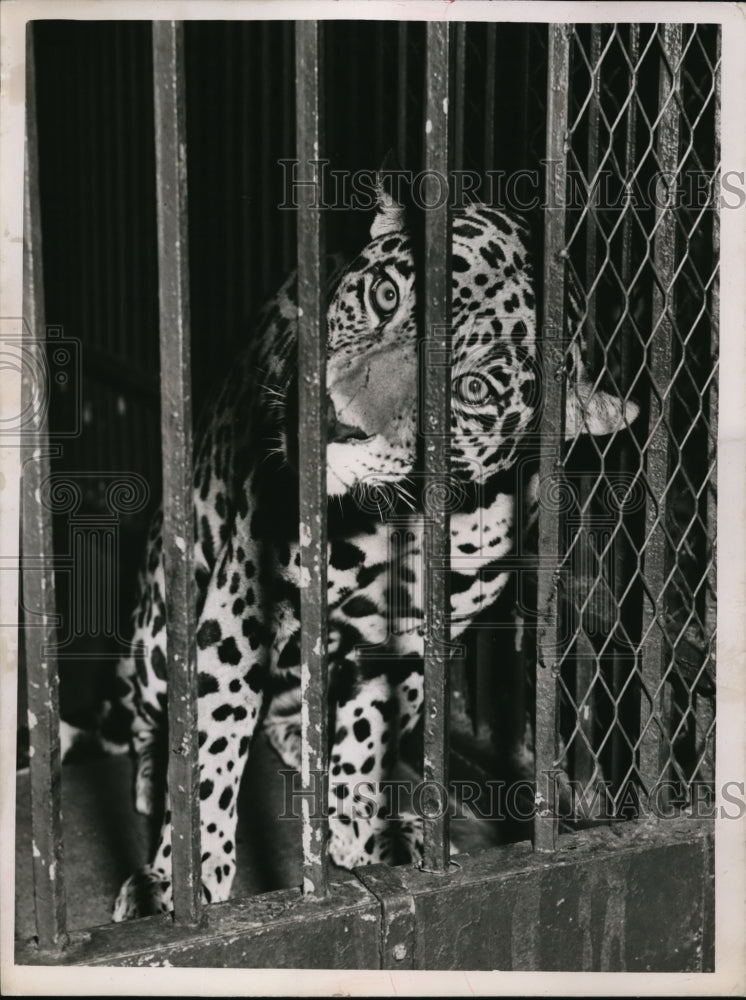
point(247, 569)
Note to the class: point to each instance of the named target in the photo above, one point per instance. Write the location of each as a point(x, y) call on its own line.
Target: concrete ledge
point(633, 897)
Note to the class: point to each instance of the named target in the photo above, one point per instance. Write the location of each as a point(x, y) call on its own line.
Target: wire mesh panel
point(636, 573)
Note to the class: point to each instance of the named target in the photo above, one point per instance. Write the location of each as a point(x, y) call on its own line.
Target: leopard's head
point(375, 357)
point(372, 366)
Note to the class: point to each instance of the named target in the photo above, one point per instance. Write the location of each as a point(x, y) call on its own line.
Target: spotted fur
point(246, 535)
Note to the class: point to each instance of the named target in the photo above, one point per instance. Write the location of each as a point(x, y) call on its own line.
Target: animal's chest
point(377, 579)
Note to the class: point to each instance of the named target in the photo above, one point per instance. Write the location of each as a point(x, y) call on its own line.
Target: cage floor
point(105, 840)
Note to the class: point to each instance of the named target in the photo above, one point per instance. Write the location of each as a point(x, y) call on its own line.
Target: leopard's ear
point(590, 410)
point(389, 217)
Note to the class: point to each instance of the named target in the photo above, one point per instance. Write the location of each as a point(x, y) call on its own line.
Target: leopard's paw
point(144, 894)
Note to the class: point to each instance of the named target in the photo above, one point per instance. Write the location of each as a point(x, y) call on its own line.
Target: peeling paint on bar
point(305, 760)
point(176, 439)
point(312, 455)
point(436, 411)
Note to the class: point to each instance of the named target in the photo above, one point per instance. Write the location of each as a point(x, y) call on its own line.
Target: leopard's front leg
point(232, 644)
point(363, 748)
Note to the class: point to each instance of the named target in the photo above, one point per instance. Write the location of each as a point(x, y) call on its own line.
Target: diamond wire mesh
point(637, 573)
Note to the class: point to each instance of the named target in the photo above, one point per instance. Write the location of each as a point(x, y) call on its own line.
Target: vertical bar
point(38, 573)
point(621, 551)
point(458, 668)
point(586, 661)
point(552, 430)
point(401, 103)
point(489, 98)
point(655, 694)
point(459, 82)
point(312, 449)
point(705, 708)
point(594, 109)
point(436, 412)
point(176, 440)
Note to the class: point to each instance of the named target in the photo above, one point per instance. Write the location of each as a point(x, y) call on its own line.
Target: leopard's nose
point(338, 432)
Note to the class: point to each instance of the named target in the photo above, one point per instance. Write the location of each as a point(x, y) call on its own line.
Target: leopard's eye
point(384, 296)
point(472, 389)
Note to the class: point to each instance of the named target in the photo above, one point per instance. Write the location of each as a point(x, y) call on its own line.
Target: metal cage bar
point(655, 695)
point(436, 414)
point(552, 431)
point(586, 661)
point(312, 449)
point(705, 706)
point(176, 439)
point(623, 554)
point(38, 572)
point(591, 264)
